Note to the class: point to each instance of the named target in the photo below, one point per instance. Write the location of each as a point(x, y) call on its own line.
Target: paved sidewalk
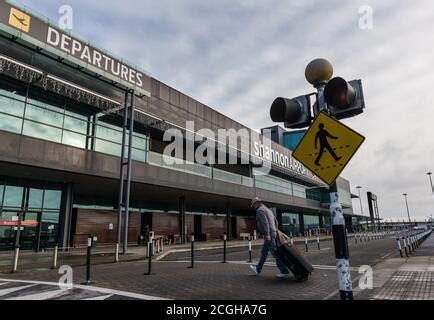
point(213, 280)
point(31, 261)
point(409, 278)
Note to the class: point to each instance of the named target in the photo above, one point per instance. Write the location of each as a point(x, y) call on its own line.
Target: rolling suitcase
point(292, 257)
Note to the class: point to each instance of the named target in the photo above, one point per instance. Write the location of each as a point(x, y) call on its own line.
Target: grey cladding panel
point(184, 102)
point(164, 92)
point(155, 88)
point(214, 117)
point(192, 106)
point(200, 110)
point(174, 97)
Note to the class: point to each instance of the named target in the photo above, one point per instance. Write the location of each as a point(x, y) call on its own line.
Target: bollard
point(318, 242)
point(151, 245)
point(405, 246)
point(306, 243)
point(16, 255)
point(409, 245)
point(292, 239)
point(225, 238)
point(250, 248)
point(89, 248)
point(355, 237)
point(192, 251)
point(54, 265)
point(117, 252)
point(399, 247)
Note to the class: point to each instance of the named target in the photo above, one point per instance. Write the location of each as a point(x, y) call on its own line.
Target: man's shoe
point(255, 271)
point(283, 275)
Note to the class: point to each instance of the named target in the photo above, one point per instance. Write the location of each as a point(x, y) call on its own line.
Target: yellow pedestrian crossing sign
point(327, 147)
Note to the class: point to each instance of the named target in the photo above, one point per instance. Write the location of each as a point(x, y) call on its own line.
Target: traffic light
point(344, 99)
point(295, 113)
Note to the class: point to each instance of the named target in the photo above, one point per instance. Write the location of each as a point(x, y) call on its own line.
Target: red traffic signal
point(344, 99)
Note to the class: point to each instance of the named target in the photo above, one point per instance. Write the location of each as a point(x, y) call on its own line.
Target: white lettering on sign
point(278, 158)
point(93, 57)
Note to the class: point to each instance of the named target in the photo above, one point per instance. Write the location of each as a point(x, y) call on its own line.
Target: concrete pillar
point(279, 215)
point(301, 221)
point(182, 220)
point(229, 222)
point(65, 218)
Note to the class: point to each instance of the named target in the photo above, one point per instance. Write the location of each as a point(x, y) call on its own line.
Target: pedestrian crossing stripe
point(327, 147)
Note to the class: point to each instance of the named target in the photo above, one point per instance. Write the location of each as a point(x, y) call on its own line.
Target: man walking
point(267, 225)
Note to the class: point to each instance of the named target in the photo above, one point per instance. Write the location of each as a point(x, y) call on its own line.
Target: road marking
point(4, 283)
point(267, 264)
point(99, 298)
point(5, 292)
point(86, 288)
point(42, 296)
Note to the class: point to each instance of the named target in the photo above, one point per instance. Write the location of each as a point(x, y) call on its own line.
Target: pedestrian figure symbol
point(322, 137)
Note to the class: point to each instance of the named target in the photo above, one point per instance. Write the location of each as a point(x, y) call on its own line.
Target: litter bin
point(94, 242)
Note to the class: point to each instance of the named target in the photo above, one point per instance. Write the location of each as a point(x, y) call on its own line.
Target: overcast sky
point(237, 56)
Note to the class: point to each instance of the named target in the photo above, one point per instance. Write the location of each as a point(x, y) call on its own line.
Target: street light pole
point(406, 203)
point(318, 73)
point(430, 180)
point(360, 198)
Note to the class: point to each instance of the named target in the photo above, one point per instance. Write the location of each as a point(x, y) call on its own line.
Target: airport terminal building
point(61, 133)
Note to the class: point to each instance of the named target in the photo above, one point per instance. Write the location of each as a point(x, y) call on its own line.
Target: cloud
point(237, 56)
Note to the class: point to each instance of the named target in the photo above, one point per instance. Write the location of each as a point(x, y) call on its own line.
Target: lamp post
point(430, 180)
point(406, 203)
point(360, 198)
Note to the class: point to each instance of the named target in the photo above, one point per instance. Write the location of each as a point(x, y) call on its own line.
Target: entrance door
point(29, 234)
point(30, 238)
point(234, 226)
point(146, 221)
point(198, 227)
point(7, 233)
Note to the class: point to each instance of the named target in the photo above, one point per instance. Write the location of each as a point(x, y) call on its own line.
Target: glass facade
point(292, 139)
point(345, 197)
point(291, 224)
point(311, 222)
point(37, 115)
point(272, 183)
point(37, 205)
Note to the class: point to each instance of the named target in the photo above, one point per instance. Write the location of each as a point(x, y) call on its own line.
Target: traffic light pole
point(338, 224)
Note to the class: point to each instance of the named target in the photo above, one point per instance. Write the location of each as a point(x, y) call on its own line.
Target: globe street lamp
point(406, 203)
point(360, 198)
point(430, 180)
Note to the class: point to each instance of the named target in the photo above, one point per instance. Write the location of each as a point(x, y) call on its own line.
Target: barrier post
point(150, 253)
point(405, 246)
point(399, 247)
point(55, 253)
point(225, 238)
point(250, 248)
point(192, 251)
point(88, 256)
point(306, 243)
point(409, 244)
point(318, 242)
